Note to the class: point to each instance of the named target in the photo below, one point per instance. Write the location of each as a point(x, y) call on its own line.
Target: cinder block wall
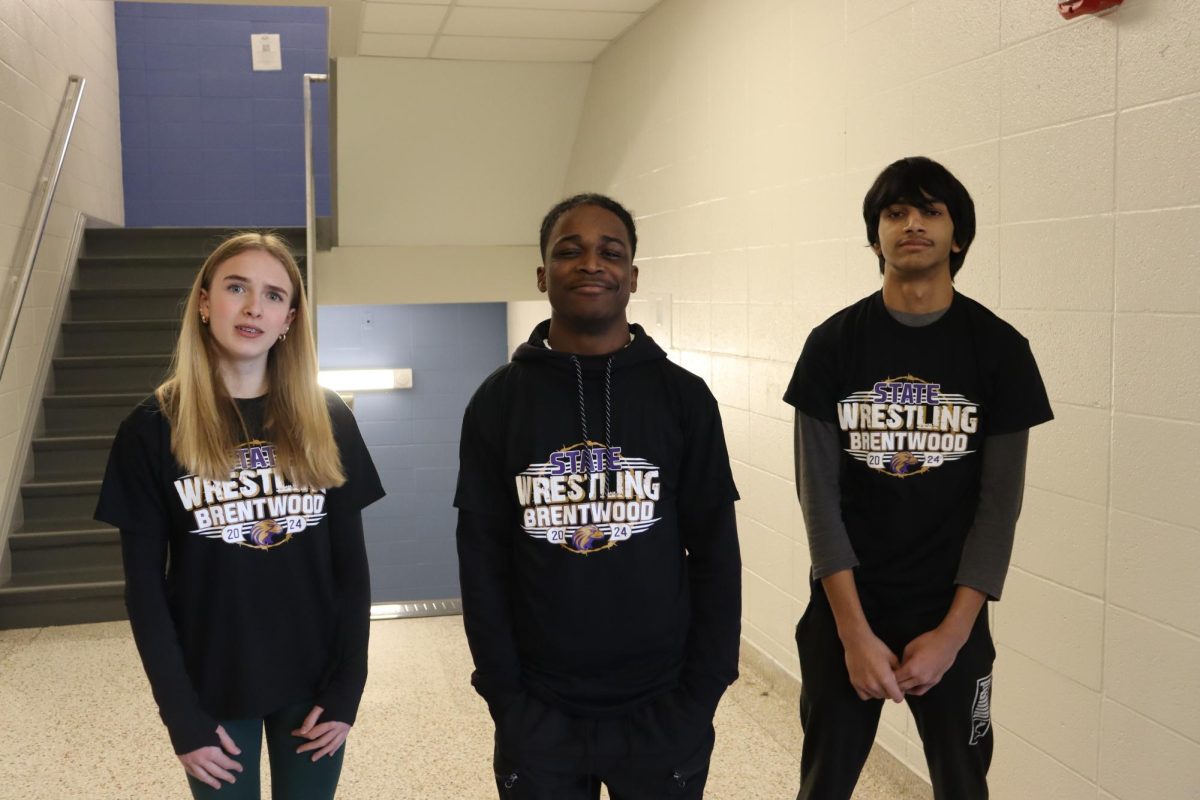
point(42, 42)
point(206, 140)
point(744, 136)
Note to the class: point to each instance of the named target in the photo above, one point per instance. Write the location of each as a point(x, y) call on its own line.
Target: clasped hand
point(876, 672)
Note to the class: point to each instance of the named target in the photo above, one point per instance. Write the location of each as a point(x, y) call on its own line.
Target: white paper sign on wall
point(266, 54)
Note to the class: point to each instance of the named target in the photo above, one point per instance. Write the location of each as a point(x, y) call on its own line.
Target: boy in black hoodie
point(598, 553)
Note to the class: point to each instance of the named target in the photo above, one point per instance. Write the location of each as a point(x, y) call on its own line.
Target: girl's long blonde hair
point(206, 426)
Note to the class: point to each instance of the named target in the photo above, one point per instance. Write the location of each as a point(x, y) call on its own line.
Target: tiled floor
point(78, 722)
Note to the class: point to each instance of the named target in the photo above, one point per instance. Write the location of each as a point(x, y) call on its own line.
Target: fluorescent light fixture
point(365, 380)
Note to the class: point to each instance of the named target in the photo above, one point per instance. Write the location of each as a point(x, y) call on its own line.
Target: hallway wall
point(744, 135)
point(413, 433)
point(41, 45)
point(445, 169)
point(206, 140)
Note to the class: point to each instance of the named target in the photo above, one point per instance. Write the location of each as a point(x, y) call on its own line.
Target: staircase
point(116, 341)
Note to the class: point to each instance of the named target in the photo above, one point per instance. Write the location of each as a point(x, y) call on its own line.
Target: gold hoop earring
point(283, 336)
point(203, 320)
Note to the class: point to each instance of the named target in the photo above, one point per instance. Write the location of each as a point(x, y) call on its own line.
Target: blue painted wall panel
point(413, 433)
point(192, 108)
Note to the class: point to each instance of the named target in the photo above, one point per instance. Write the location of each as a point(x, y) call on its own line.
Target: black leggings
point(953, 718)
point(294, 776)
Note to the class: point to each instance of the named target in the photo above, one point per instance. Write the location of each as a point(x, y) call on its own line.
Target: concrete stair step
point(110, 374)
point(59, 525)
point(119, 337)
point(176, 242)
point(71, 548)
point(66, 597)
point(143, 272)
point(52, 501)
point(137, 272)
point(84, 414)
point(125, 304)
point(71, 457)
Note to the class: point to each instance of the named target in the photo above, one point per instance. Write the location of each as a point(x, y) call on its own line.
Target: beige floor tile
point(82, 724)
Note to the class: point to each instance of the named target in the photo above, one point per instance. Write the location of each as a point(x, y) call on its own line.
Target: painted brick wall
point(206, 140)
point(42, 43)
point(413, 433)
point(744, 136)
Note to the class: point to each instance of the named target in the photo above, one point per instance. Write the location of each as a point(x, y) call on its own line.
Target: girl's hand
point(210, 765)
point(325, 737)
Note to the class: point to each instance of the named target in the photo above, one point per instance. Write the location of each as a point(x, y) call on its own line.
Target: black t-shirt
point(264, 581)
point(913, 405)
point(599, 589)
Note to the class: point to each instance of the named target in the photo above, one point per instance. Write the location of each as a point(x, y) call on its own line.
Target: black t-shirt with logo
point(913, 405)
point(244, 595)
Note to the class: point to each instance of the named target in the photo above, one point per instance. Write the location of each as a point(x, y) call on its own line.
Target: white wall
point(523, 317)
point(433, 152)
point(454, 155)
point(744, 135)
point(42, 42)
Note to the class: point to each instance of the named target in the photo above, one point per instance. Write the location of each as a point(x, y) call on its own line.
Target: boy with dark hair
point(597, 542)
point(913, 409)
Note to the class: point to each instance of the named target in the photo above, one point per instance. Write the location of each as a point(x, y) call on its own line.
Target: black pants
point(953, 718)
point(659, 751)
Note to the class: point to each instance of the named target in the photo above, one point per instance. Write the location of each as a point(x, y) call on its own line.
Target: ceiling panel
point(402, 18)
point(636, 6)
point(532, 24)
point(493, 48)
point(500, 30)
point(395, 45)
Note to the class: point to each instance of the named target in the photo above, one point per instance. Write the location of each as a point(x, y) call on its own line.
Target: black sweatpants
point(953, 718)
point(661, 750)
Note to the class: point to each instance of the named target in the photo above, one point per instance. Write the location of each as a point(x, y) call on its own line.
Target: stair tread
point(75, 544)
point(59, 487)
point(150, 259)
point(180, 230)
point(80, 525)
point(24, 537)
point(131, 360)
point(67, 440)
point(99, 260)
point(95, 578)
point(112, 398)
point(132, 291)
point(120, 324)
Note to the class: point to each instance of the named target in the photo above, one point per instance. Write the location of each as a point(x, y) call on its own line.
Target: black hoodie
point(597, 542)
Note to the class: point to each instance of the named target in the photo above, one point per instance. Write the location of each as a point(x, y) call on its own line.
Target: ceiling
point(496, 30)
point(479, 30)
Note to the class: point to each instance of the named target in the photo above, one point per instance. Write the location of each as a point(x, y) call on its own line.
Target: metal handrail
point(39, 207)
point(310, 201)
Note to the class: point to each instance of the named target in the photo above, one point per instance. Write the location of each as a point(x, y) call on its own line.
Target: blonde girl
point(237, 488)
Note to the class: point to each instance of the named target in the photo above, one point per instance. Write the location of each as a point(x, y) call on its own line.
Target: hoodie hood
point(640, 350)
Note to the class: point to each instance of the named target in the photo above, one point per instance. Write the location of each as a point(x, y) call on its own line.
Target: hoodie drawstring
point(607, 411)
